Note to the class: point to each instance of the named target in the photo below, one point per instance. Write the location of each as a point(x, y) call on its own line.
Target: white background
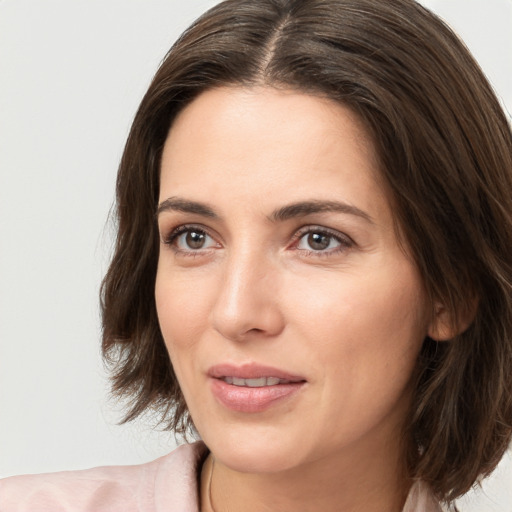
point(72, 73)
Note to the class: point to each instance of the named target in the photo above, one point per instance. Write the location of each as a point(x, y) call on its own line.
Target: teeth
point(254, 383)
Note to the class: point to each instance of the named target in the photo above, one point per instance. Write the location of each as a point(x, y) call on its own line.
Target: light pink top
point(168, 484)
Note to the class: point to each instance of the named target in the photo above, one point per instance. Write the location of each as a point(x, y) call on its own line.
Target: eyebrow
point(304, 208)
point(299, 209)
point(186, 206)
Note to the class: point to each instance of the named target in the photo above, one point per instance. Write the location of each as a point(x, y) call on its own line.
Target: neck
point(339, 482)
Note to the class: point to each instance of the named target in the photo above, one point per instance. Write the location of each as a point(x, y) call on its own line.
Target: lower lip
point(246, 399)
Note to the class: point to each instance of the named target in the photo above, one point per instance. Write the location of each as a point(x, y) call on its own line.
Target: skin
point(349, 318)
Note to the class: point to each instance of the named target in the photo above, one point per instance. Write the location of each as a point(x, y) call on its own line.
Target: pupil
point(318, 241)
point(195, 240)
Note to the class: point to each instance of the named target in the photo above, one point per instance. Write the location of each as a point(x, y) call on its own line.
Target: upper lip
point(251, 371)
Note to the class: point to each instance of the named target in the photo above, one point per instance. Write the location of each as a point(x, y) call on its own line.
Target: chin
point(258, 451)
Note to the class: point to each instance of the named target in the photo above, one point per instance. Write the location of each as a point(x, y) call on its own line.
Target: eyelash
point(171, 239)
point(344, 241)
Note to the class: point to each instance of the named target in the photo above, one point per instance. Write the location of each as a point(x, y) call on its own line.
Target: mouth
point(253, 388)
point(255, 383)
point(253, 375)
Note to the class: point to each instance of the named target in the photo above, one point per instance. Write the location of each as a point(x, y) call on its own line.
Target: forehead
point(259, 143)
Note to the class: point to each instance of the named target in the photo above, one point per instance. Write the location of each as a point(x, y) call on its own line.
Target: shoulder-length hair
point(445, 149)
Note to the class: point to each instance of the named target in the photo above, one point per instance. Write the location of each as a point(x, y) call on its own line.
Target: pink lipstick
point(252, 388)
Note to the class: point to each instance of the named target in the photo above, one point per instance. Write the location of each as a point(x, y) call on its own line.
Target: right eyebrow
point(186, 206)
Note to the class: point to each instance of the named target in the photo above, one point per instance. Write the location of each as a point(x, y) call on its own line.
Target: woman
point(313, 268)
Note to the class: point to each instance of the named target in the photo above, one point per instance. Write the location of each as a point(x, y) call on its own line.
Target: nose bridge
point(247, 300)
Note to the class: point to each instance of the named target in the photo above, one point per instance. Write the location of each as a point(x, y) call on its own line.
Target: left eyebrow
point(304, 208)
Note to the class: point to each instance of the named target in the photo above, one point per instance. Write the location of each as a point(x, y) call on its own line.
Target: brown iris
point(195, 239)
point(318, 241)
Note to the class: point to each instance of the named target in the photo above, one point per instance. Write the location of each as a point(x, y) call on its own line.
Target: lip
point(252, 399)
point(251, 371)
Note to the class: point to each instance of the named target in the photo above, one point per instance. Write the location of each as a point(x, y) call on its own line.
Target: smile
point(255, 383)
point(253, 388)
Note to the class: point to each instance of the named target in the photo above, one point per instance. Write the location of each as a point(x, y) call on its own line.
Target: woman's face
point(292, 316)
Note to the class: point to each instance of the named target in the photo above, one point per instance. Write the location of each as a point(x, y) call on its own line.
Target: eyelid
point(344, 240)
point(175, 232)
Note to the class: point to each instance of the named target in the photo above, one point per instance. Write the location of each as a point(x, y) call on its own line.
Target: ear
point(445, 325)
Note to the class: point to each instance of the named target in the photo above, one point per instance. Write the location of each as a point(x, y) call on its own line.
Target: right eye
point(190, 239)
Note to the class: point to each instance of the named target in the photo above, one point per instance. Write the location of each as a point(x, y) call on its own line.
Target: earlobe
point(445, 325)
point(441, 327)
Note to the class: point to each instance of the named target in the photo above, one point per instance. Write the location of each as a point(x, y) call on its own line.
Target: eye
point(316, 240)
point(190, 239)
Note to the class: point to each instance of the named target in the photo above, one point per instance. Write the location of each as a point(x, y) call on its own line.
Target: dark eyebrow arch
point(303, 208)
point(186, 206)
point(300, 209)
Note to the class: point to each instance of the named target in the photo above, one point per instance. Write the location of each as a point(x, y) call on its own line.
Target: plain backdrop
point(72, 73)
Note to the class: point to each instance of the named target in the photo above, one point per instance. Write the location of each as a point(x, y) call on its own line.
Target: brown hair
point(446, 154)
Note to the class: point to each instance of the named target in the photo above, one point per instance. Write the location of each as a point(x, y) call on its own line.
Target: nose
point(247, 303)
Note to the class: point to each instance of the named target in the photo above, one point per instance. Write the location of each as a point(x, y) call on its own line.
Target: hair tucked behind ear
point(446, 157)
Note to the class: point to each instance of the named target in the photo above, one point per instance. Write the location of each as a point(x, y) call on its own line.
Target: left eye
point(318, 241)
point(193, 240)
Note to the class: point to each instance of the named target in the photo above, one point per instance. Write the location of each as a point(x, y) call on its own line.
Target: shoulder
point(140, 488)
point(421, 499)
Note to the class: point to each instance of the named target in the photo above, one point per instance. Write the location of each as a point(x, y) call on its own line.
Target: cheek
point(363, 304)
point(366, 330)
point(182, 311)
point(366, 346)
